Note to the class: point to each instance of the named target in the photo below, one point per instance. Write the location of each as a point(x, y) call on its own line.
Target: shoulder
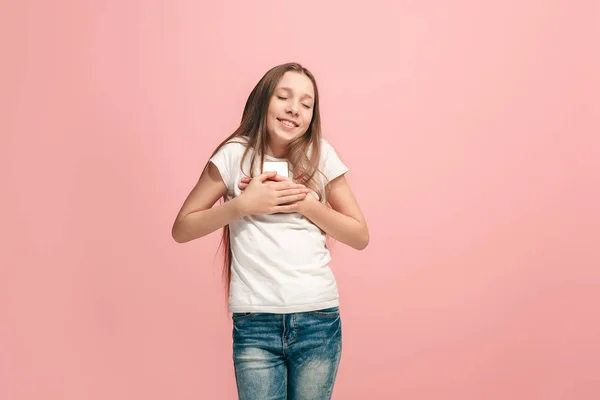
point(236, 144)
point(232, 148)
point(229, 153)
point(325, 144)
point(328, 151)
point(227, 158)
point(330, 162)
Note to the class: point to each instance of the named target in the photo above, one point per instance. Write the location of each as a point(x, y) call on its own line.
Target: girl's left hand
point(302, 204)
point(246, 180)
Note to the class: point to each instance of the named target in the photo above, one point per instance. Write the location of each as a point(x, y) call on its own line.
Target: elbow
point(176, 237)
point(177, 234)
point(363, 241)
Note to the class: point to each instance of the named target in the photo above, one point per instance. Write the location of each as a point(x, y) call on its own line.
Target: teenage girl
point(287, 334)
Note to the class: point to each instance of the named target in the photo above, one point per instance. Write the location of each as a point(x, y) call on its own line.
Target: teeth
point(286, 123)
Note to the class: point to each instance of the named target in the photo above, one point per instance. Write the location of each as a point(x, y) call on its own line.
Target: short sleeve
point(333, 166)
point(226, 159)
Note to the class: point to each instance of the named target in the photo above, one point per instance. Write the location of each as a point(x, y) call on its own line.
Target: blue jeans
point(287, 356)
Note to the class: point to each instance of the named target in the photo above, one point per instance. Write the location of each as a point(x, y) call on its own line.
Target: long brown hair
point(303, 153)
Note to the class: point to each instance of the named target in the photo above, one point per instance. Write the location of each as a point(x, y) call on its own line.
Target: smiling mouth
point(287, 123)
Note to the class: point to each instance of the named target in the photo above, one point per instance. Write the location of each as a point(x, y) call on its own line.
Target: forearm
point(341, 227)
point(203, 222)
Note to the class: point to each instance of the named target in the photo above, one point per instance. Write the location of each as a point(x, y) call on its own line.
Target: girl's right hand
point(261, 197)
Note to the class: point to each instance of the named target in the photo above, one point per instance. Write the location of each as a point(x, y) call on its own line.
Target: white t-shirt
point(280, 262)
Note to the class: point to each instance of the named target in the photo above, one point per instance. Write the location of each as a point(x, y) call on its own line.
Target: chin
point(285, 137)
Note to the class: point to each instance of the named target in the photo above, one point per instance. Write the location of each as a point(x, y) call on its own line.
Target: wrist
point(237, 208)
point(307, 206)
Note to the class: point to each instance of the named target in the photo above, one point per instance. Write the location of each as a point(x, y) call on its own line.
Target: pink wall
point(472, 135)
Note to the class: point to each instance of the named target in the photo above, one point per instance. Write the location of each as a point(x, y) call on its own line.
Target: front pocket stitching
point(333, 314)
point(243, 317)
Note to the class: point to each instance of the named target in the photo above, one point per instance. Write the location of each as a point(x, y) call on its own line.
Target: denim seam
point(294, 328)
point(283, 341)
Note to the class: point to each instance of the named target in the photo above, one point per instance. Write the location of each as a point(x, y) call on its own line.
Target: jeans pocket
point(332, 312)
point(239, 317)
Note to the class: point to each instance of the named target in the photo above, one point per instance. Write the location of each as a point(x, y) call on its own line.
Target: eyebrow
point(290, 90)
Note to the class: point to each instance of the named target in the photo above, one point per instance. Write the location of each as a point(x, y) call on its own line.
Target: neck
point(276, 151)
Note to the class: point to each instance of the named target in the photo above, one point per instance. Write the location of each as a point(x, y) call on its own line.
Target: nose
point(292, 109)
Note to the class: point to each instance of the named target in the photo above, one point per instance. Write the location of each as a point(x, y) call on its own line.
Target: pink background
point(472, 134)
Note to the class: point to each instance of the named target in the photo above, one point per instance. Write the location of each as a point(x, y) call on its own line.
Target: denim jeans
point(287, 356)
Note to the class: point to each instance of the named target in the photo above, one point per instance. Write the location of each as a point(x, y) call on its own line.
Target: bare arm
point(344, 221)
point(197, 216)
